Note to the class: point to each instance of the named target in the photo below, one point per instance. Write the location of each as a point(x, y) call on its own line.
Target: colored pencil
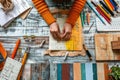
point(101, 12)
point(97, 14)
point(109, 5)
point(103, 4)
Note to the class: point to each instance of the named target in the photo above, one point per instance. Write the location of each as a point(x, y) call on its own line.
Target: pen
point(90, 27)
point(15, 48)
point(81, 15)
point(87, 52)
point(101, 12)
point(102, 3)
point(23, 62)
point(97, 14)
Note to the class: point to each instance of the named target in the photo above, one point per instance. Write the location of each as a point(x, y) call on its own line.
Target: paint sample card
point(11, 70)
point(75, 43)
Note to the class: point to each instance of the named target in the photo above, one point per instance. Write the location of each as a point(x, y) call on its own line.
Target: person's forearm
point(75, 11)
point(42, 8)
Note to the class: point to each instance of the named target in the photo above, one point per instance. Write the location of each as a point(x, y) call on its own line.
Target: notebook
point(20, 6)
point(11, 70)
point(114, 26)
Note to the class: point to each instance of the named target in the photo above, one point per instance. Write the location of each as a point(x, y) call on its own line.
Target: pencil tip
point(104, 24)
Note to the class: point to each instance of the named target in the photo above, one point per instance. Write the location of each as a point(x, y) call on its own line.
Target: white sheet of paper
point(19, 7)
point(11, 70)
point(114, 26)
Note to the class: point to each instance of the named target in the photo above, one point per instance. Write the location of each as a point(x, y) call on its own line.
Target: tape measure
point(3, 55)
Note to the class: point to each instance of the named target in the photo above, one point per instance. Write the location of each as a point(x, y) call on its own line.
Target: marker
point(102, 3)
point(97, 14)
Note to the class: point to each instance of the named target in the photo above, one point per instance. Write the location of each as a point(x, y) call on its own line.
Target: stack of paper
point(20, 6)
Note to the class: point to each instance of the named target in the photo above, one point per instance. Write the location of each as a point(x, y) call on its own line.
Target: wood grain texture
point(94, 71)
point(77, 71)
point(106, 71)
point(103, 47)
point(100, 71)
point(59, 71)
point(65, 72)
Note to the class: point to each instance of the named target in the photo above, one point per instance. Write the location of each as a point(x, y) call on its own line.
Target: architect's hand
point(55, 31)
point(67, 30)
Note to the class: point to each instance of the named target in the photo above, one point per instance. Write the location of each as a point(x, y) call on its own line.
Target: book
point(20, 6)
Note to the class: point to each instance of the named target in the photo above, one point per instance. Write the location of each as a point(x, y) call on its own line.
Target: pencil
point(97, 14)
point(102, 3)
point(104, 11)
point(114, 5)
point(109, 5)
point(23, 62)
point(101, 12)
point(15, 48)
point(107, 19)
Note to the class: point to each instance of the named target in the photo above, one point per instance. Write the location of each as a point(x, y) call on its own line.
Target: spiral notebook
point(114, 26)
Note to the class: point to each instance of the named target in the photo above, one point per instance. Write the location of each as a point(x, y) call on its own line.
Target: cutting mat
point(103, 47)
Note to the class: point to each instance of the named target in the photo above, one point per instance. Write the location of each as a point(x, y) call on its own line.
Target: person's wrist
point(54, 23)
point(70, 25)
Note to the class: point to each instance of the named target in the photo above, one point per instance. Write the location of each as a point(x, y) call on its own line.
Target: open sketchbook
point(20, 6)
point(75, 43)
